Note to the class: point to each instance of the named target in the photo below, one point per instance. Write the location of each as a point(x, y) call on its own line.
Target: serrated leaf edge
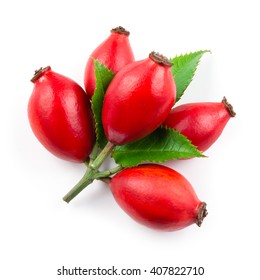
point(199, 153)
point(197, 53)
point(200, 52)
point(97, 67)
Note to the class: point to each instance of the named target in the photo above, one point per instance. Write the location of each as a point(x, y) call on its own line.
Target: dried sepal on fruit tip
point(229, 107)
point(37, 73)
point(201, 214)
point(120, 30)
point(160, 59)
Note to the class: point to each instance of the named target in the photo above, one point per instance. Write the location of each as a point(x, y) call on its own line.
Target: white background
point(39, 232)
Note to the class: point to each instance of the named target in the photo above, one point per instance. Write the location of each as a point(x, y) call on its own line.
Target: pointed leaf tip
point(161, 145)
point(184, 68)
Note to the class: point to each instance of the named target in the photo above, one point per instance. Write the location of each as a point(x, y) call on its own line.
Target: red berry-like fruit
point(60, 116)
point(138, 99)
point(202, 123)
point(115, 52)
point(158, 197)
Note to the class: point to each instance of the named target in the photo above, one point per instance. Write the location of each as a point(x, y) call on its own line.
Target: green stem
point(86, 180)
point(107, 173)
point(102, 156)
point(93, 154)
point(90, 174)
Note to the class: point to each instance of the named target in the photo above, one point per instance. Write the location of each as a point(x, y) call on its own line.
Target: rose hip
point(60, 116)
point(138, 99)
point(115, 52)
point(202, 122)
point(158, 197)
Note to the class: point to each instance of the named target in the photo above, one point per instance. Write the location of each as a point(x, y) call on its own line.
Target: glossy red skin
point(115, 52)
point(202, 123)
point(137, 101)
point(60, 116)
point(156, 196)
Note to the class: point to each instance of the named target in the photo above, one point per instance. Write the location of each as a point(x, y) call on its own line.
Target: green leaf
point(161, 145)
point(103, 78)
point(183, 70)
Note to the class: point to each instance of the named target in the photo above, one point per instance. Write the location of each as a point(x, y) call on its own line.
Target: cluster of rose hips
point(139, 99)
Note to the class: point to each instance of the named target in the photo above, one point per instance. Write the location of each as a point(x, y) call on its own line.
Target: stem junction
point(92, 172)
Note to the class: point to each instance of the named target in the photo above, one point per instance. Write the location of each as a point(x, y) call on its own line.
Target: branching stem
point(92, 172)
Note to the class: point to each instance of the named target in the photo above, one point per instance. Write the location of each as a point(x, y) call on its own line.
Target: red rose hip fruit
point(202, 123)
point(60, 116)
point(115, 52)
point(138, 99)
point(158, 197)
